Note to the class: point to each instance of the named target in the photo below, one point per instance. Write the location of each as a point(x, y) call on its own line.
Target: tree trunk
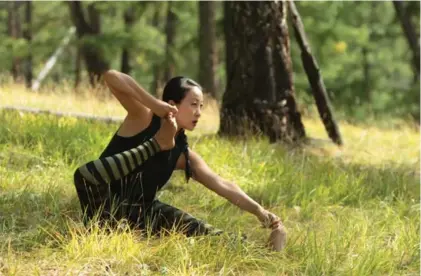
point(410, 35)
point(207, 47)
point(366, 50)
point(125, 57)
point(78, 66)
point(285, 96)
point(14, 30)
point(170, 31)
point(253, 85)
point(96, 64)
point(157, 70)
point(314, 77)
point(53, 59)
point(366, 70)
point(27, 34)
point(228, 33)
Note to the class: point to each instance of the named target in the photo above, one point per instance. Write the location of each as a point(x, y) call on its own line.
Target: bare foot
point(165, 135)
point(278, 237)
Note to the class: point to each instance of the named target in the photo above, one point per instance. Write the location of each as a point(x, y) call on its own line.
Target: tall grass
point(349, 211)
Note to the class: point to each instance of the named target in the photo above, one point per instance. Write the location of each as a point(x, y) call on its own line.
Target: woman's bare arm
point(134, 98)
point(203, 174)
point(232, 192)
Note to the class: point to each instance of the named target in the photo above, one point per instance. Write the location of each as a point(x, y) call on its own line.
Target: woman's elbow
point(110, 76)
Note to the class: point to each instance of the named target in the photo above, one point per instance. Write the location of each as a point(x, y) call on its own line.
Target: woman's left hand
point(278, 235)
point(268, 219)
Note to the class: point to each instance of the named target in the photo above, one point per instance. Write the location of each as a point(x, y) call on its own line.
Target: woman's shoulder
point(119, 143)
point(134, 126)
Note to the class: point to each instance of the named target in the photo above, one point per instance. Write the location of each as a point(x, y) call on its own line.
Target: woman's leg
point(92, 180)
point(160, 216)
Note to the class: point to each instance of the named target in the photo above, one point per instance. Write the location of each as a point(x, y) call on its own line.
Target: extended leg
point(161, 216)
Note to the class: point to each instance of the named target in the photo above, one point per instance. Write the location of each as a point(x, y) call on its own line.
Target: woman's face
point(189, 109)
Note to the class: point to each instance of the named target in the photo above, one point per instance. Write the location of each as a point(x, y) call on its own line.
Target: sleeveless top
point(141, 186)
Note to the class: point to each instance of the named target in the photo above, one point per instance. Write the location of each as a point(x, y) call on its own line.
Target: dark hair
point(176, 89)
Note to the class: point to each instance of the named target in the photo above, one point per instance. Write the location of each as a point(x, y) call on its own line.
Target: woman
point(140, 158)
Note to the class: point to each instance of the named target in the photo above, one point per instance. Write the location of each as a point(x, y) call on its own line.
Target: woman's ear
point(171, 102)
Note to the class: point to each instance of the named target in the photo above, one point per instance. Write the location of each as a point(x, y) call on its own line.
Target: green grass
point(353, 211)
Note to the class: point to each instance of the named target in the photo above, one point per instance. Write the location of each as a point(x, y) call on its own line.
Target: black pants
point(96, 201)
point(162, 218)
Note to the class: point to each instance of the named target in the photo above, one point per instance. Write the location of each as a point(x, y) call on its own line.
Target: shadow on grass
point(308, 178)
point(29, 217)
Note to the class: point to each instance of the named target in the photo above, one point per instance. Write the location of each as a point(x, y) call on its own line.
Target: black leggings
point(157, 216)
point(162, 218)
point(92, 181)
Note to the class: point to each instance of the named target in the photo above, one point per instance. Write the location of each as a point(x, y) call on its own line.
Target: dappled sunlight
point(334, 202)
point(364, 145)
point(368, 145)
point(346, 210)
point(89, 103)
point(85, 101)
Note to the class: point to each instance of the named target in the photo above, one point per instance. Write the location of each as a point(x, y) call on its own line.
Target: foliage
point(339, 33)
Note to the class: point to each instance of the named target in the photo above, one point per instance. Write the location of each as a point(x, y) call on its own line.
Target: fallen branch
point(314, 77)
point(63, 114)
point(53, 59)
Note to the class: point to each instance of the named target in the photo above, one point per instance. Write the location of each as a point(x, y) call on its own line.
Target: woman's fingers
point(271, 221)
point(173, 109)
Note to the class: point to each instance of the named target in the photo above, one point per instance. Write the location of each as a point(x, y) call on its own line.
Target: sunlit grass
point(349, 211)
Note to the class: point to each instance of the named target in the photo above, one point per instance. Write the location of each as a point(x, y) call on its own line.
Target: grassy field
point(348, 211)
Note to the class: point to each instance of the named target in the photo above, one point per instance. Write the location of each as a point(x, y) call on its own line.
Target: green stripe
point(100, 167)
point(137, 160)
point(113, 166)
point(208, 226)
point(150, 147)
point(144, 153)
point(139, 155)
point(87, 175)
point(123, 163)
point(130, 158)
point(155, 144)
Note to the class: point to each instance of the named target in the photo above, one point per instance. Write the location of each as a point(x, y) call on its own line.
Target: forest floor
point(348, 211)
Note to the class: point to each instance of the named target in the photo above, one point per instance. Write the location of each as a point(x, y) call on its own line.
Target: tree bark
point(228, 33)
point(27, 34)
point(366, 50)
point(410, 35)
point(157, 70)
point(86, 31)
point(14, 31)
point(366, 70)
point(129, 18)
point(314, 77)
point(207, 47)
point(78, 66)
point(291, 122)
point(170, 31)
point(250, 101)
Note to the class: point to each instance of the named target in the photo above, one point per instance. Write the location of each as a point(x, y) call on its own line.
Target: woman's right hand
point(163, 109)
